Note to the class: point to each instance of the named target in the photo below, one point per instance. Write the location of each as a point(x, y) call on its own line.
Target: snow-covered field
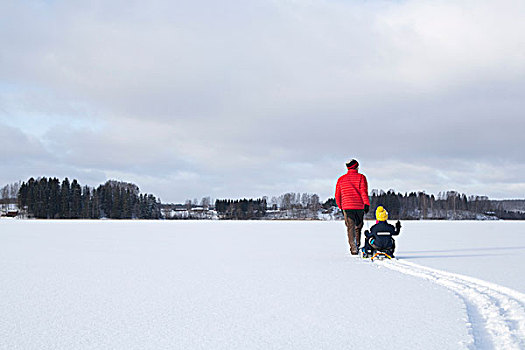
point(258, 285)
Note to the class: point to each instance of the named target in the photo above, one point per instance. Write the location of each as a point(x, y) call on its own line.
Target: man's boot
point(351, 242)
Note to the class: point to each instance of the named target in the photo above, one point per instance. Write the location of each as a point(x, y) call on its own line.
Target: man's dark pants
point(354, 225)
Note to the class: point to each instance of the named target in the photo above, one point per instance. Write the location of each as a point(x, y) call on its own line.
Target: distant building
point(11, 213)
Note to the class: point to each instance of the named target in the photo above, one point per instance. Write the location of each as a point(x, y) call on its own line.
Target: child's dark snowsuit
point(380, 238)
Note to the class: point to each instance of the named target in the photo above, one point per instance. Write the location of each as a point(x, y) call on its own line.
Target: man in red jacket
point(351, 195)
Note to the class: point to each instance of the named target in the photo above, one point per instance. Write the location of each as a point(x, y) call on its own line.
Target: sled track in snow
point(496, 313)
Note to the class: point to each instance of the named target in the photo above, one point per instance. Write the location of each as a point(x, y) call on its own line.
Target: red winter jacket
point(351, 191)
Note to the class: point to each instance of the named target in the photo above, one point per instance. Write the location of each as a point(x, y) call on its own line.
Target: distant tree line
point(51, 198)
point(293, 200)
point(290, 206)
point(449, 205)
point(243, 209)
point(445, 206)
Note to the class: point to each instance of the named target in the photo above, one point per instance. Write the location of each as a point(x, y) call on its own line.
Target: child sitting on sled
point(380, 236)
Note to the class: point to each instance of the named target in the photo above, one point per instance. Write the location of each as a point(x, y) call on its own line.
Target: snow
point(257, 285)
point(489, 250)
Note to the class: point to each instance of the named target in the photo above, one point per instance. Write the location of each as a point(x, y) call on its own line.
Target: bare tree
point(305, 200)
point(313, 203)
point(205, 202)
point(4, 193)
point(287, 201)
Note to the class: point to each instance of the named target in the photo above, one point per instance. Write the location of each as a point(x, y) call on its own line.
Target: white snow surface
point(258, 285)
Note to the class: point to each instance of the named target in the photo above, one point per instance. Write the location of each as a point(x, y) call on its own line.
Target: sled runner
point(376, 254)
point(380, 256)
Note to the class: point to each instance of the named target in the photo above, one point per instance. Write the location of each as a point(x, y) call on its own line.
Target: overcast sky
point(249, 98)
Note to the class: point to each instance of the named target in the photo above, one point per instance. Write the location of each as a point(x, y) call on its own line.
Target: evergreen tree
point(65, 199)
point(54, 195)
point(76, 200)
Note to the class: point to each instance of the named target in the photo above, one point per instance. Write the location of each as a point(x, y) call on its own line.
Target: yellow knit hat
point(381, 214)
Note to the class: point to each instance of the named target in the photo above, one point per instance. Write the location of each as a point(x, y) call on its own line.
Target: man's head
point(381, 214)
point(353, 164)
